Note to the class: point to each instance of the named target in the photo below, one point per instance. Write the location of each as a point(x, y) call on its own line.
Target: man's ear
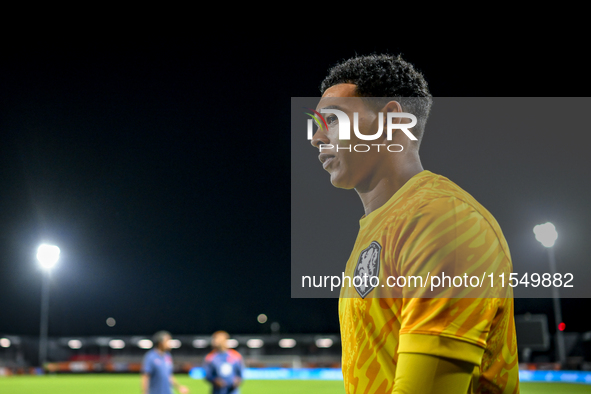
point(392, 106)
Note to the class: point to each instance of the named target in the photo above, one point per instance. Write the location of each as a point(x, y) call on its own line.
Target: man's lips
point(325, 159)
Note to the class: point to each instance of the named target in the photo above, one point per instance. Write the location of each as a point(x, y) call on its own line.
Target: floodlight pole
point(557, 310)
point(47, 255)
point(44, 319)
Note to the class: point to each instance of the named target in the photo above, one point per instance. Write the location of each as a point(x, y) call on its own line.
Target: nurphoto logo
point(344, 127)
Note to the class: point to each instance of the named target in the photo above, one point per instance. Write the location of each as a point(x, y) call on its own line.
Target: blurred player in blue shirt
point(157, 377)
point(223, 367)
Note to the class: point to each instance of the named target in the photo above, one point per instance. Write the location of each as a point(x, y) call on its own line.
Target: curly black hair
point(388, 77)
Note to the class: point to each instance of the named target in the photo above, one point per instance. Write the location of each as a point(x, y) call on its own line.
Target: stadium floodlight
point(232, 343)
point(174, 343)
point(4, 342)
point(324, 342)
point(287, 343)
point(74, 344)
point(255, 343)
point(200, 343)
point(116, 344)
point(546, 234)
point(47, 255)
point(145, 344)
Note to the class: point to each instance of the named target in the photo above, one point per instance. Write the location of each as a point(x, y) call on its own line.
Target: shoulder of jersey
point(210, 356)
point(234, 355)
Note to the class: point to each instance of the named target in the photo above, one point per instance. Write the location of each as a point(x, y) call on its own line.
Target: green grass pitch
point(126, 384)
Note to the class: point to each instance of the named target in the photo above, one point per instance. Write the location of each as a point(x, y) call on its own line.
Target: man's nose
point(319, 138)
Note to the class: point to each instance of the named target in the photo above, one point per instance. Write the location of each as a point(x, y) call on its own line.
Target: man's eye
point(331, 119)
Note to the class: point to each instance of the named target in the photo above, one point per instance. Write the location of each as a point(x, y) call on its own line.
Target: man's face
point(218, 341)
point(348, 169)
point(165, 344)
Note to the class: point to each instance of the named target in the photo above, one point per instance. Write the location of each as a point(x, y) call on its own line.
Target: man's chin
point(337, 182)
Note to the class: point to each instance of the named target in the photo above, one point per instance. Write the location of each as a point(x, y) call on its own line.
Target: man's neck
point(384, 185)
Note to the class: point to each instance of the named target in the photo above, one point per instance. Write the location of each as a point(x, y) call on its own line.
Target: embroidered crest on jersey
point(368, 266)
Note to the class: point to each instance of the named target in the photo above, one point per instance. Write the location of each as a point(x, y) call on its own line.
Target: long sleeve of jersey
point(425, 374)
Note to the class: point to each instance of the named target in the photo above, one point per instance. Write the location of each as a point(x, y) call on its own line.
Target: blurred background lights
point(561, 326)
point(47, 255)
point(324, 342)
point(75, 344)
point(111, 322)
point(232, 343)
point(287, 343)
point(145, 344)
point(174, 343)
point(116, 344)
point(546, 234)
point(4, 342)
point(262, 318)
point(255, 343)
point(200, 343)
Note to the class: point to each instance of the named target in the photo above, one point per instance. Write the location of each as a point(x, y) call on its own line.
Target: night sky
point(161, 168)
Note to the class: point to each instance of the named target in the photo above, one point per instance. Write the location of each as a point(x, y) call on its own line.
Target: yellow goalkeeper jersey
point(428, 226)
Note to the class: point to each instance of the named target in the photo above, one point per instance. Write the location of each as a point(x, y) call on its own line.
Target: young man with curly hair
point(415, 222)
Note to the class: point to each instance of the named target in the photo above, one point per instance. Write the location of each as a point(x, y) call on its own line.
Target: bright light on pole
point(47, 255)
point(546, 234)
